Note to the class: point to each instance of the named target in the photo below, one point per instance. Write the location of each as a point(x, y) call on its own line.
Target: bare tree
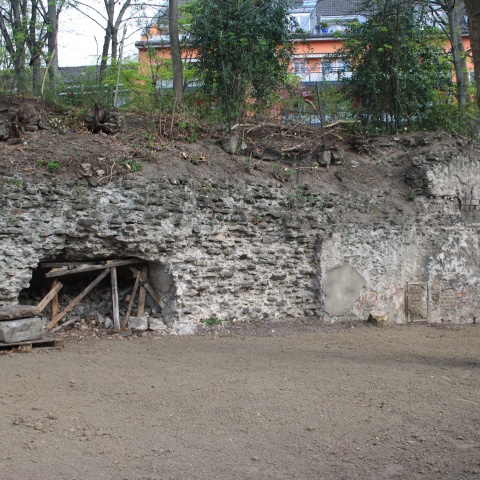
point(26, 27)
point(110, 18)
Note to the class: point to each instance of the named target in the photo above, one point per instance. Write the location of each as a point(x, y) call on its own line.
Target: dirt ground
point(336, 402)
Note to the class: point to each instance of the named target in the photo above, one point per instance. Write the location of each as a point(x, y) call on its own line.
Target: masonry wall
point(254, 251)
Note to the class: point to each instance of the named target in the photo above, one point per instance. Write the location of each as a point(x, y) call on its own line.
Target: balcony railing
point(330, 75)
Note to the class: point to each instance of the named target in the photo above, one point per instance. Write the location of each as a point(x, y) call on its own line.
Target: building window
point(300, 68)
point(327, 67)
point(302, 21)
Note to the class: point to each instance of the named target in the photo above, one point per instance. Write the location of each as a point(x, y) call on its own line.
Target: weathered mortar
point(242, 251)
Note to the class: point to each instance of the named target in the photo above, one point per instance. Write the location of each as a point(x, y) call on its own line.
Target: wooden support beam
point(141, 302)
point(72, 304)
point(54, 306)
point(148, 288)
point(115, 310)
point(132, 299)
point(64, 264)
point(89, 268)
point(153, 294)
point(63, 325)
point(142, 293)
point(49, 296)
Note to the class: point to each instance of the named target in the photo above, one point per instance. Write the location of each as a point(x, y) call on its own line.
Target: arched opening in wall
point(109, 294)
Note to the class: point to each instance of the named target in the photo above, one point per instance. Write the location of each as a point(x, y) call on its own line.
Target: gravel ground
point(327, 403)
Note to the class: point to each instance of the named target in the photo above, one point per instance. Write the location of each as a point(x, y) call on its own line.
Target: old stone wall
point(257, 250)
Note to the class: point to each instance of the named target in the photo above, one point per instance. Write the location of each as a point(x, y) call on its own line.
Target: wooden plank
point(63, 325)
point(90, 268)
point(54, 291)
point(134, 271)
point(132, 299)
point(153, 294)
point(120, 263)
point(141, 302)
point(72, 304)
point(142, 294)
point(65, 264)
point(44, 342)
point(54, 305)
point(115, 310)
point(149, 289)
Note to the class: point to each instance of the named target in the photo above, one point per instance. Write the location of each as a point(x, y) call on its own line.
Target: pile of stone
point(20, 323)
point(96, 311)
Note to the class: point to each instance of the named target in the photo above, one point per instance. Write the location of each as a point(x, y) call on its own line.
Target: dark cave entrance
point(99, 293)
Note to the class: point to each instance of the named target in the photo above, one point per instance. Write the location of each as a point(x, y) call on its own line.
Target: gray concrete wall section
point(243, 251)
point(342, 287)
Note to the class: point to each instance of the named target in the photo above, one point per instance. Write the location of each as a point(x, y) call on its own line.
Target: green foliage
point(131, 165)
point(336, 105)
point(250, 165)
point(244, 50)
point(398, 65)
point(190, 129)
point(52, 166)
point(210, 321)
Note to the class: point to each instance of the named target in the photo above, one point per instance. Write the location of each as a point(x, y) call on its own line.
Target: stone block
point(234, 145)
point(13, 312)
point(108, 323)
point(22, 330)
point(156, 324)
point(138, 324)
point(324, 159)
point(338, 156)
point(378, 318)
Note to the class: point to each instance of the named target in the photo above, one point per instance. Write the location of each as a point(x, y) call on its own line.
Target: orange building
point(312, 62)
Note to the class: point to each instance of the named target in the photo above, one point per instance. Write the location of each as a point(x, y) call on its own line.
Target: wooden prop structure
point(60, 269)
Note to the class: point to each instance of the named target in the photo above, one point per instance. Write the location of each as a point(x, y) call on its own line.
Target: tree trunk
point(458, 50)
point(106, 48)
point(52, 41)
point(473, 11)
point(19, 72)
point(176, 50)
point(114, 36)
point(36, 65)
point(110, 10)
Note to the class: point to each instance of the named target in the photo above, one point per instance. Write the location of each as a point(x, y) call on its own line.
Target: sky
point(80, 40)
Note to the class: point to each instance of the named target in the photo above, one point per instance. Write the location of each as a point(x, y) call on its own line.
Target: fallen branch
point(340, 122)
